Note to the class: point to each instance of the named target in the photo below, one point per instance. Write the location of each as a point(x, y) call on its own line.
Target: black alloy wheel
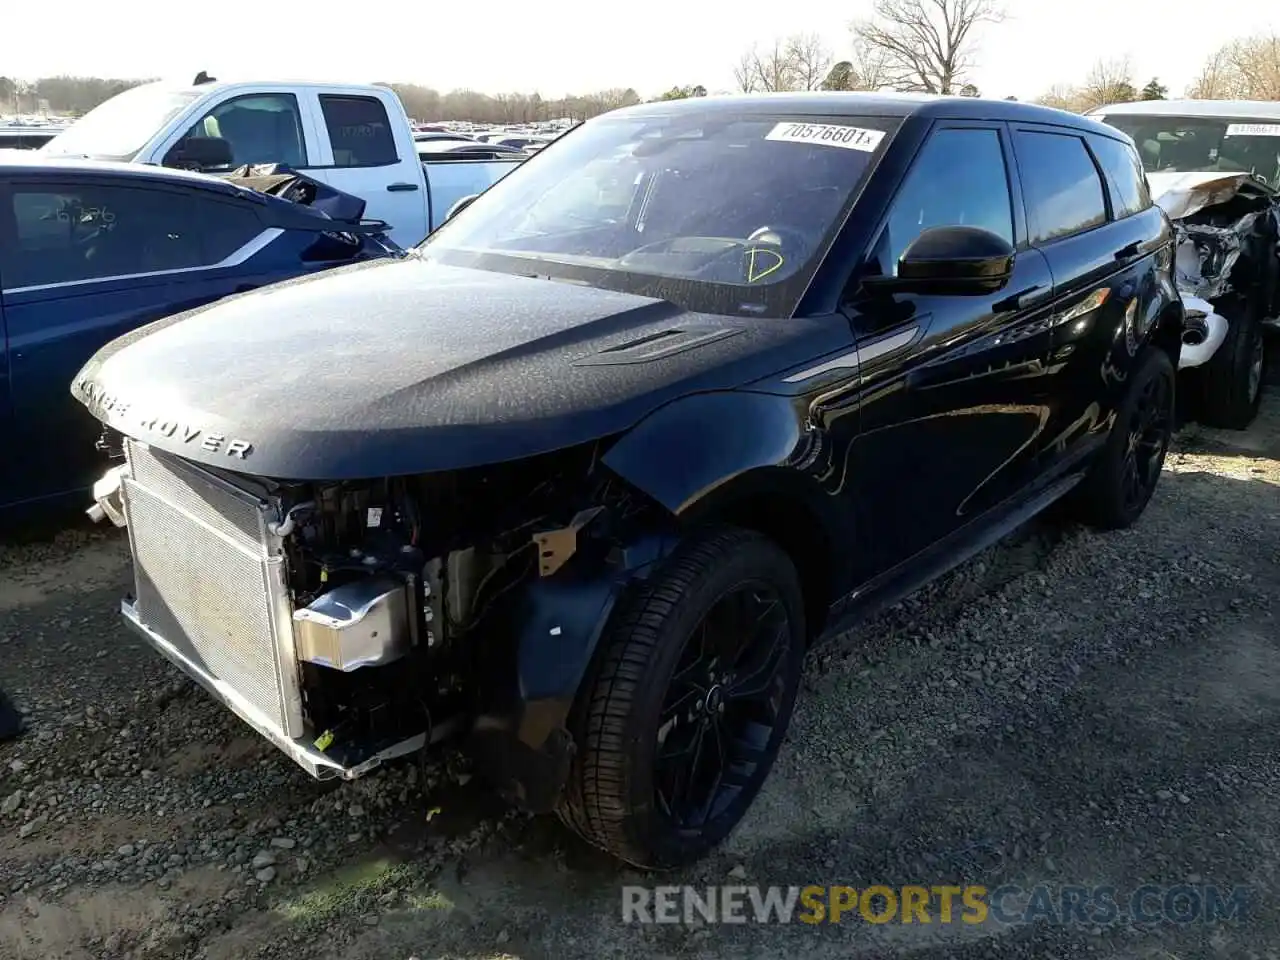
point(1123, 477)
point(723, 706)
point(1149, 430)
point(687, 703)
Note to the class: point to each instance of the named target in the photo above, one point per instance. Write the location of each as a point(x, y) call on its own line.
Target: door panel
point(52, 332)
point(1101, 270)
point(951, 426)
point(368, 159)
point(8, 472)
point(1103, 279)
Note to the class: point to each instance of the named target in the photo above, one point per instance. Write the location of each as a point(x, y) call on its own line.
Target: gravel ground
point(1067, 708)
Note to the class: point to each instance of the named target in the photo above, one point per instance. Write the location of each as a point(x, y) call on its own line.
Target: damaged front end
point(352, 622)
point(1226, 266)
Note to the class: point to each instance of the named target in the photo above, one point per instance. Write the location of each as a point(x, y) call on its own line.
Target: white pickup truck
point(355, 138)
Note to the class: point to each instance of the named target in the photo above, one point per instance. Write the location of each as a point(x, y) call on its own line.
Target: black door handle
point(401, 187)
point(1128, 251)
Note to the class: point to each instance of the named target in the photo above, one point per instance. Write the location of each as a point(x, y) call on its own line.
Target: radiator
point(210, 579)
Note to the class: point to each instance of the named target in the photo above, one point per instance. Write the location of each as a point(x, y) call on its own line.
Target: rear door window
point(1125, 177)
point(75, 232)
point(359, 131)
point(1060, 184)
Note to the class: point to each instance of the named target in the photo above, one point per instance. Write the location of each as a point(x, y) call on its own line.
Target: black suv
point(582, 478)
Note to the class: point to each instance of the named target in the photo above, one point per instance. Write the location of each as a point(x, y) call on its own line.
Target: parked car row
point(580, 478)
point(26, 136)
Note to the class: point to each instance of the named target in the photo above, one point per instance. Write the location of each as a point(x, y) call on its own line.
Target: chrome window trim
point(233, 259)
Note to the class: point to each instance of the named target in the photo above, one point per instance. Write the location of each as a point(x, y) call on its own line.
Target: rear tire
point(689, 702)
point(1122, 480)
point(1231, 382)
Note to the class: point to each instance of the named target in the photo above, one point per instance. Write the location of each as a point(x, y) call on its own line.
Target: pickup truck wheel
point(1121, 481)
point(689, 702)
point(1231, 381)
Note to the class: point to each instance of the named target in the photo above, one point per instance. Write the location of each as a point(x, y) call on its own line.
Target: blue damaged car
point(91, 250)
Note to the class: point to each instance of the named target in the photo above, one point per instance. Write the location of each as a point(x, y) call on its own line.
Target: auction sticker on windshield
point(827, 134)
point(1253, 130)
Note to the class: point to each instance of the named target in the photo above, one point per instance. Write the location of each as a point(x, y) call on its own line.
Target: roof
point(878, 104)
point(1209, 109)
point(33, 162)
point(199, 89)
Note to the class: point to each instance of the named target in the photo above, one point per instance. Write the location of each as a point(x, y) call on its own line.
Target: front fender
point(684, 451)
point(520, 738)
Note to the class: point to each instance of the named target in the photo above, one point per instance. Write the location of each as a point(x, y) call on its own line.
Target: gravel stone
point(1045, 713)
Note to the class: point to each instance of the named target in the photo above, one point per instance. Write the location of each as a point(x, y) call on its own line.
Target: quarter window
point(958, 179)
point(261, 128)
point(1125, 178)
point(1060, 183)
point(359, 131)
point(85, 232)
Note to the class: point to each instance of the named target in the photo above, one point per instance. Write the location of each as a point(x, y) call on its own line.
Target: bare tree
point(871, 66)
point(766, 71)
point(1215, 80)
point(927, 45)
point(1257, 65)
point(1244, 69)
point(810, 60)
point(1063, 96)
point(1109, 81)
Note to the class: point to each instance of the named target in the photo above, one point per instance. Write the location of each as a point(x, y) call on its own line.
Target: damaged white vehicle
point(1214, 167)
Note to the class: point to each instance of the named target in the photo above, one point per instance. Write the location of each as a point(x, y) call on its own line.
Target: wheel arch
point(739, 459)
point(1167, 328)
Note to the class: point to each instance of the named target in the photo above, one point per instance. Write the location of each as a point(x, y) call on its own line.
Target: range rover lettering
point(581, 478)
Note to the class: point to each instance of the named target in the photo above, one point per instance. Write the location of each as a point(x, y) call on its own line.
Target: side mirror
point(200, 153)
point(461, 205)
point(953, 260)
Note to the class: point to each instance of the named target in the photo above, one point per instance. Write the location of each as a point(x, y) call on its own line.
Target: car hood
point(1182, 194)
point(406, 366)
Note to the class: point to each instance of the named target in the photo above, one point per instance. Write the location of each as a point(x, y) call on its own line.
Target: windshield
point(717, 214)
point(117, 129)
point(1204, 145)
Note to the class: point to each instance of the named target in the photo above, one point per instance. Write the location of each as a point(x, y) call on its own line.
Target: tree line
point(74, 96)
point(928, 46)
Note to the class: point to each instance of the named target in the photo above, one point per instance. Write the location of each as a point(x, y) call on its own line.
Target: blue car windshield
point(719, 214)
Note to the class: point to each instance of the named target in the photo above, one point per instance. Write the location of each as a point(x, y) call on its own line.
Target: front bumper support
point(303, 753)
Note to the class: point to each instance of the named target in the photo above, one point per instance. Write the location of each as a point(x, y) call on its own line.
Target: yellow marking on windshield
point(757, 270)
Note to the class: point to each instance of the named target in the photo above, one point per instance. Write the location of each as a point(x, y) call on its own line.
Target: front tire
point(1231, 381)
point(1122, 480)
point(689, 702)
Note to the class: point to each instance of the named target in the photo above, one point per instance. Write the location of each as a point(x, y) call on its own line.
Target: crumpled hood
point(405, 366)
point(1182, 194)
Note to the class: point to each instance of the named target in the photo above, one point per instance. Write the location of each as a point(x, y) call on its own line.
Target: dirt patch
point(1069, 708)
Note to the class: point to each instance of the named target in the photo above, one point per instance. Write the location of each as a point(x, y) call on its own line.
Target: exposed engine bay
point(401, 592)
point(1226, 260)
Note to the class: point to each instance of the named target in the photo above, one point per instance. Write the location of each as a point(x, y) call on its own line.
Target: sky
point(570, 46)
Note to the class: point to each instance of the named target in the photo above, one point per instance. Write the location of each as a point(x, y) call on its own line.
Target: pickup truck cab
point(355, 138)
